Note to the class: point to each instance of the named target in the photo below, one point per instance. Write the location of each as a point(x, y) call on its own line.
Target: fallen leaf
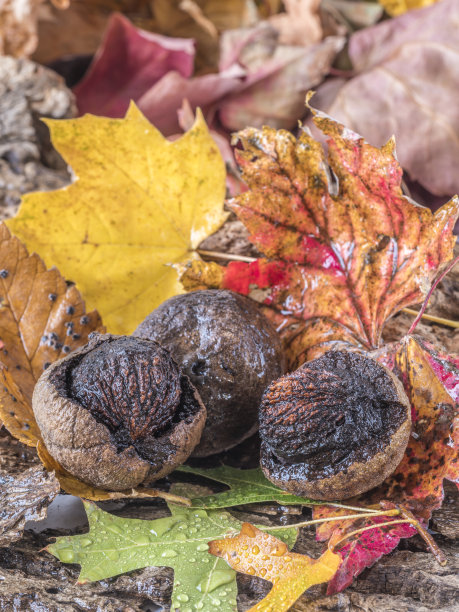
point(79, 29)
point(41, 320)
point(162, 102)
point(278, 77)
point(140, 202)
point(431, 381)
point(117, 545)
point(362, 550)
point(24, 497)
point(299, 24)
point(398, 64)
point(258, 553)
point(246, 487)
point(398, 7)
point(18, 26)
point(127, 64)
point(346, 249)
point(203, 20)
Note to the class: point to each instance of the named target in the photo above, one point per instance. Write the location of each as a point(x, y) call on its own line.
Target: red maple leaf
point(346, 248)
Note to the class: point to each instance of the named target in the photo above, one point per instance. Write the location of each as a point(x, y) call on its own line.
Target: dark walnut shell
point(336, 427)
point(118, 412)
point(229, 350)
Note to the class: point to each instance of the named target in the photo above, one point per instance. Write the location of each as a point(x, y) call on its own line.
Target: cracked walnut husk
point(118, 412)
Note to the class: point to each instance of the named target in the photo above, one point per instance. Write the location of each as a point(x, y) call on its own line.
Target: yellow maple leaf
point(398, 7)
point(140, 202)
point(258, 553)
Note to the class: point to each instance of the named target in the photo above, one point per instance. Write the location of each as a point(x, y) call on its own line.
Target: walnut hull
point(230, 352)
point(89, 450)
point(335, 428)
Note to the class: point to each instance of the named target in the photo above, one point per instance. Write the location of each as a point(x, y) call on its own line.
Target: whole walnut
point(336, 427)
point(229, 350)
point(118, 412)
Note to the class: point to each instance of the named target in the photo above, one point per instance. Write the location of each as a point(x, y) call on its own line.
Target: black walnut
point(229, 350)
point(118, 412)
point(336, 427)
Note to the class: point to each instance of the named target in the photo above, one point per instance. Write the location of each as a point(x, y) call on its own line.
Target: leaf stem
point(375, 526)
point(394, 512)
point(434, 285)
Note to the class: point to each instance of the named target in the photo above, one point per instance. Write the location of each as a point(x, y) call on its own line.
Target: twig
point(432, 318)
point(226, 256)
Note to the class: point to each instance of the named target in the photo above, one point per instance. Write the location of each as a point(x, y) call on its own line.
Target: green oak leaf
point(117, 545)
point(247, 487)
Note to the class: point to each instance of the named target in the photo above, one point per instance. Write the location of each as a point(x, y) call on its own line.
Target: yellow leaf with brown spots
point(41, 320)
point(139, 203)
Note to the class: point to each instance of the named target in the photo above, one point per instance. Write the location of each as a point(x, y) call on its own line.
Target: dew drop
point(216, 602)
point(219, 578)
point(112, 555)
point(169, 553)
point(115, 529)
point(263, 572)
point(251, 571)
point(85, 542)
point(162, 526)
point(202, 547)
point(181, 537)
point(199, 605)
point(255, 550)
point(192, 530)
point(141, 539)
point(183, 597)
point(67, 555)
point(192, 559)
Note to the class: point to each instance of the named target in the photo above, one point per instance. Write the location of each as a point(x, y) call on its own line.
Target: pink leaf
point(127, 64)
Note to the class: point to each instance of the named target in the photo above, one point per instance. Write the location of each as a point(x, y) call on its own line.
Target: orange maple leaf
point(347, 250)
point(258, 553)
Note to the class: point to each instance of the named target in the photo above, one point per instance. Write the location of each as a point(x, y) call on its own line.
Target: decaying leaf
point(24, 497)
point(362, 550)
point(258, 553)
point(41, 320)
point(128, 63)
point(277, 76)
point(398, 7)
point(299, 24)
point(140, 202)
point(346, 249)
point(431, 383)
point(246, 487)
point(203, 20)
point(116, 545)
point(18, 25)
point(398, 64)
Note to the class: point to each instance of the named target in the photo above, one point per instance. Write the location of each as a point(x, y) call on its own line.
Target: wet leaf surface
point(116, 545)
point(258, 553)
point(345, 250)
point(246, 487)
